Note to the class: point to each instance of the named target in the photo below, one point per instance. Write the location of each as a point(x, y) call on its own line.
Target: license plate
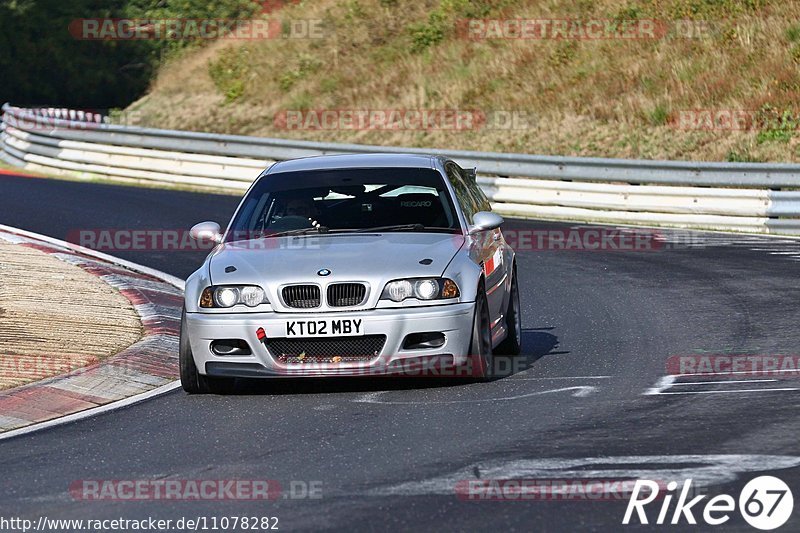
point(327, 327)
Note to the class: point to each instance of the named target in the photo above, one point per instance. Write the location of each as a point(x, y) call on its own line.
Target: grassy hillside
point(590, 97)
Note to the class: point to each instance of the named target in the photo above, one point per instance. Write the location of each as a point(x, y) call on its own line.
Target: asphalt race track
point(599, 329)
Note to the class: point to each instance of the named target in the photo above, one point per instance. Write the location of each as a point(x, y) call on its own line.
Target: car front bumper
point(454, 321)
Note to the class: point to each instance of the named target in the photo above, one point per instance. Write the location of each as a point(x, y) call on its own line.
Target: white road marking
point(558, 377)
point(730, 391)
point(663, 383)
point(669, 381)
point(723, 382)
point(745, 372)
point(374, 397)
point(783, 246)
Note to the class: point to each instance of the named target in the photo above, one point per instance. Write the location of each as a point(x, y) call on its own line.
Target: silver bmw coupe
point(352, 265)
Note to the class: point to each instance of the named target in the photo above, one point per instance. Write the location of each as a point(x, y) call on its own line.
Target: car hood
point(373, 258)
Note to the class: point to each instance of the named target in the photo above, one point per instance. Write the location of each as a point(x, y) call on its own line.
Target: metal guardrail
point(728, 196)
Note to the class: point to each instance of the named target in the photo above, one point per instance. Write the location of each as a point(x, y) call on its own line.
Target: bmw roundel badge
point(324, 272)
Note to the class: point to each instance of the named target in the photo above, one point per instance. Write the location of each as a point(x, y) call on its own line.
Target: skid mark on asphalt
point(579, 391)
point(684, 239)
point(703, 470)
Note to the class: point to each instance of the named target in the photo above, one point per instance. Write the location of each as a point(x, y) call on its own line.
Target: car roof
point(324, 162)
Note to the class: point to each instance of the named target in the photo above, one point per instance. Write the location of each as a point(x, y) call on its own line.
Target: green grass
point(612, 97)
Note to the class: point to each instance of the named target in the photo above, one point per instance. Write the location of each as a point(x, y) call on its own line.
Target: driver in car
point(303, 207)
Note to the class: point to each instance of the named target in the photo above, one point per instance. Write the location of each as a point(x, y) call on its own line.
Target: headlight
point(427, 289)
point(398, 290)
point(252, 296)
point(422, 289)
point(228, 296)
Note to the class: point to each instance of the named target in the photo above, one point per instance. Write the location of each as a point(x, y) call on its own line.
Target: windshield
point(345, 200)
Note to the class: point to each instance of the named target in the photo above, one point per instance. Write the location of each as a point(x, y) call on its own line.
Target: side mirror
point(206, 231)
point(484, 221)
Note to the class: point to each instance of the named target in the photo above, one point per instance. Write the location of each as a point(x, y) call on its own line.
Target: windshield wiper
point(396, 227)
point(303, 231)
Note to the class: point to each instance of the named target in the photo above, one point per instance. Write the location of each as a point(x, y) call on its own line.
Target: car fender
point(466, 273)
point(199, 280)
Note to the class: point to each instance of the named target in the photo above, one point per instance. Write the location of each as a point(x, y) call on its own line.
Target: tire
point(191, 380)
point(481, 343)
point(512, 344)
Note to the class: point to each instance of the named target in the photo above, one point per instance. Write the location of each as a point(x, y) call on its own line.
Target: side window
point(463, 195)
point(477, 193)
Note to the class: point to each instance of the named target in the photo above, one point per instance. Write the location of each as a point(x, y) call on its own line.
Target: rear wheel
point(481, 344)
point(191, 380)
point(512, 344)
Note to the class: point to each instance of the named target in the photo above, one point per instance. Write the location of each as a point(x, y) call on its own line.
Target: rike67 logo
point(765, 503)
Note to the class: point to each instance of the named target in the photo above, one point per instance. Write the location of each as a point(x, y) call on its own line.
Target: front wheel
point(481, 344)
point(512, 344)
point(191, 380)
